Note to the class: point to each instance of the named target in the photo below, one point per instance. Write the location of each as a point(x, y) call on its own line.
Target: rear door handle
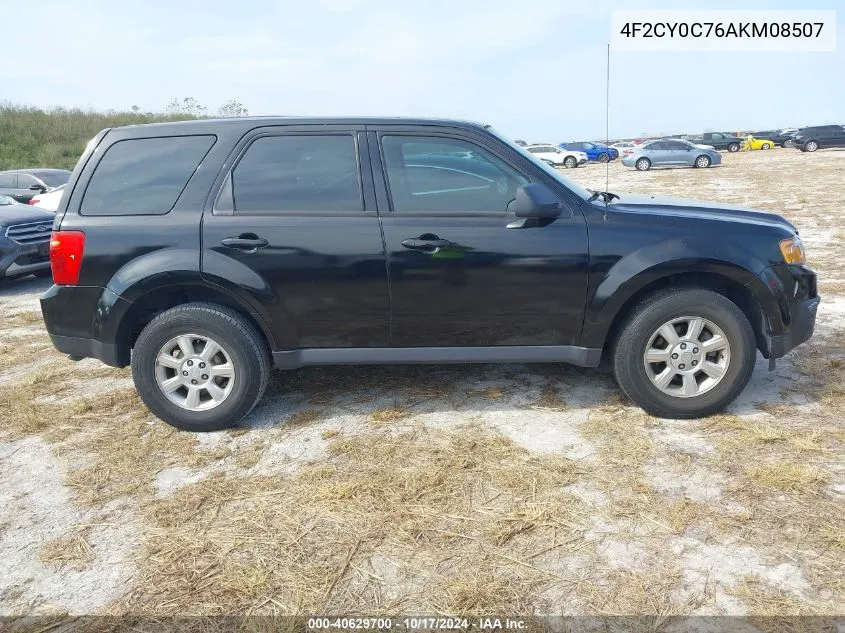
point(245, 243)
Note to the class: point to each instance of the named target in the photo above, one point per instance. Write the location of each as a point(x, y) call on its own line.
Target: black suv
point(809, 139)
point(202, 252)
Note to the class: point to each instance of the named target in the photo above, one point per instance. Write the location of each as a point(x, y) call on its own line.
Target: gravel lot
point(459, 489)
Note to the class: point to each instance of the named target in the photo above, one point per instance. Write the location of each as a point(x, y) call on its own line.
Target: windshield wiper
point(607, 195)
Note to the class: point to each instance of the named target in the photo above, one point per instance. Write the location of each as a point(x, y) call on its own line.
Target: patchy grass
point(72, 551)
point(788, 477)
point(461, 512)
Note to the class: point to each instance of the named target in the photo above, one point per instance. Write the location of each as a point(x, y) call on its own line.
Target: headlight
point(793, 251)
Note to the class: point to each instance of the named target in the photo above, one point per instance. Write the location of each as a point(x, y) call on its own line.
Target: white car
point(558, 156)
point(49, 200)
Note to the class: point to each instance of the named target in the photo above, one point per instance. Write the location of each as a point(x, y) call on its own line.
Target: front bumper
point(800, 330)
point(23, 259)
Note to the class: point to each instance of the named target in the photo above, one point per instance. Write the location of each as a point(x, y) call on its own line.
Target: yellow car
point(759, 143)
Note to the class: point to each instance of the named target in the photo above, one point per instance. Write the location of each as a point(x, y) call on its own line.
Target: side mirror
point(535, 200)
point(37, 188)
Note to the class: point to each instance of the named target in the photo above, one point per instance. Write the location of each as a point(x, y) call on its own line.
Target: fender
point(156, 272)
point(643, 267)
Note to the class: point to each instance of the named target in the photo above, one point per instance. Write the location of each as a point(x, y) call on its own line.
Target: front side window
point(434, 174)
point(290, 173)
point(144, 176)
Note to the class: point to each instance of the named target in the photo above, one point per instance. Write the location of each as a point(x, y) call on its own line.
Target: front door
point(295, 232)
point(458, 275)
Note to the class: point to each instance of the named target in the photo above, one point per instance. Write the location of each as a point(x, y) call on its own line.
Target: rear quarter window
point(144, 176)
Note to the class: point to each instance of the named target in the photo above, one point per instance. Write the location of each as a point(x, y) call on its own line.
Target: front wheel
point(765, 146)
point(685, 354)
point(200, 367)
point(733, 147)
point(643, 164)
point(703, 161)
point(570, 162)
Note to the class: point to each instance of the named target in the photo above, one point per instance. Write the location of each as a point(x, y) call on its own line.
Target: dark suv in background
point(809, 139)
point(24, 184)
point(202, 252)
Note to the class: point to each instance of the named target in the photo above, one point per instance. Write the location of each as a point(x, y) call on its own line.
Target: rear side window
point(293, 173)
point(144, 176)
point(9, 181)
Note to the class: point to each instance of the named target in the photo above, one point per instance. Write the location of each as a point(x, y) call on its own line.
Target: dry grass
point(462, 513)
point(72, 551)
point(788, 477)
point(389, 414)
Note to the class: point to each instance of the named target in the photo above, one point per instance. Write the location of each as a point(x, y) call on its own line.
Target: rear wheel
point(811, 146)
point(200, 367)
point(685, 354)
point(733, 147)
point(570, 162)
point(603, 158)
point(702, 161)
point(642, 164)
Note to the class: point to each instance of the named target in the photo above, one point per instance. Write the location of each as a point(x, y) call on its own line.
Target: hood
point(23, 213)
point(682, 207)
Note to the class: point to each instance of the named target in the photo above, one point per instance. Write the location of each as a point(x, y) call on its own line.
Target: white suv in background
point(558, 156)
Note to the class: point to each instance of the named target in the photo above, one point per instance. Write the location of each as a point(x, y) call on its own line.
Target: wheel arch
point(147, 305)
point(732, 289)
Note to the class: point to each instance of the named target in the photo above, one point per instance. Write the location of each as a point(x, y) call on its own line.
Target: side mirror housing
point(36, 188)
point(535, 200)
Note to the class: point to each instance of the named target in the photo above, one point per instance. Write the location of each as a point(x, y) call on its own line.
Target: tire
point(736, 359)
point(788, 144)
point(702, 161)
point(733, 147)
point(603, 157)
point(765, 146)
point(642, 164)
point(242, 349)
point(570, 162)
point(811, 146)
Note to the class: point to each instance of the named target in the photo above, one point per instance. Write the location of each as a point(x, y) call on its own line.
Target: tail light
point(66, 249)
point(33, 201)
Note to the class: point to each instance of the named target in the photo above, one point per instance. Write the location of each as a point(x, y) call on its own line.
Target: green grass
point(32, 137)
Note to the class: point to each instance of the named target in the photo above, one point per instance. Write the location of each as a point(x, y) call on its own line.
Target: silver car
point(667, 152)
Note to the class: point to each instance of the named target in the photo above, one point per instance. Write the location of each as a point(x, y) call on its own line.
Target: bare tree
point(188, 105)
point(232, 108)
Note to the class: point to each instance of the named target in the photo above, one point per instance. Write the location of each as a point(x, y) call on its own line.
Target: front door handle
point(245, 242)
point(426, 243)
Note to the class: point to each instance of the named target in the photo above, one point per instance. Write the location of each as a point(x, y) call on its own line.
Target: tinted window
point(656, 145)
point(54, 178)
point(438, 180)
point(298, 173)
point(144, 176)
point(536, 150)
point(677, 145)
point(8, 181)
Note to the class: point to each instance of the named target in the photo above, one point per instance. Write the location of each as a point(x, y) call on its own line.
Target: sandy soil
point(477, 489)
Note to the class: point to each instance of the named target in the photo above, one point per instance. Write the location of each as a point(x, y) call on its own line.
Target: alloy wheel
point(687, 357)
point(194, 372)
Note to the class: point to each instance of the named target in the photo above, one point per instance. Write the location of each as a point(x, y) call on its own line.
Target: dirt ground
point(454, 490)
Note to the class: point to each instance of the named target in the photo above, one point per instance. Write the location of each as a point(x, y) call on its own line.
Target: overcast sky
point(534, 69)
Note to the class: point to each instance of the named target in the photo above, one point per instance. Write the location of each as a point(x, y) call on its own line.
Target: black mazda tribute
point(204, 252)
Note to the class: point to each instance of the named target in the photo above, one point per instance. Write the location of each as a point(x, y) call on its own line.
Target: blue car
point(594, 151)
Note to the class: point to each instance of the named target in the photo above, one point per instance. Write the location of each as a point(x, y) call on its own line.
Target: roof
point(306, 120)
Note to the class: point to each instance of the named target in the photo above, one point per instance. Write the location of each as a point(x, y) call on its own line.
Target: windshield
point(575, 188)
point(6, 200)
point(54, 178)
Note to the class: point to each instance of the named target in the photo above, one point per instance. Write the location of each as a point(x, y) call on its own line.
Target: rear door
point(459, 277)
point(658, 153)
point(294, 230)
